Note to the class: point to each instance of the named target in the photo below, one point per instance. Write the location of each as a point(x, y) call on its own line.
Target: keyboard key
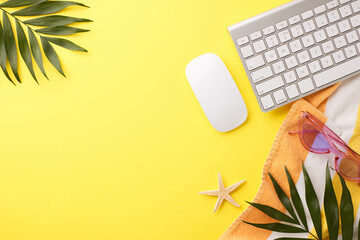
point(358, 46)
point(272, 41)
point(279, 67)
point(255, 35)
point(269, 30)
point(295, 46)
point(269, 85)
point(355, 21)
point(344, 1)
point(315, 52)
point(303, 57)
point(302, 72)
point(308, 41)
point(345, 11)
point(350, 52)
point(296, 31)
point(356, 6)
point(320, 9)
point(307, 14)
point(294, 20)
point(332, 31)
point(328, 47)
point(280, 96)
point(321, 21)
point(247, 51)
point(333, 16)
point(267, 102)
point(326, 62)
point(352, 37)
point(291, 62)
point(242, 41)
point(271, 56)
point(255, 62)
point(292, 91)
point(309, 26)
point(284, 36)
point(314, 66)
point(344, 25)
point(261, 74)
point(340, 42)
point(320, 35)
point(332, 4)
point(283, 51)
point(306, 85)
point(281, 25)
point(259, 46)
point(339, 56)
point(337, 72)
point(290, 77)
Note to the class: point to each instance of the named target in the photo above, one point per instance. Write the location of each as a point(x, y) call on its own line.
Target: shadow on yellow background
point(120, 148)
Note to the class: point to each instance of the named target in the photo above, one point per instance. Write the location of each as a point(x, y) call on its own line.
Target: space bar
point(337, 72)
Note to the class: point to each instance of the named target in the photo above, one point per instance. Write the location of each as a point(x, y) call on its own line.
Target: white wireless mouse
point(216, 92)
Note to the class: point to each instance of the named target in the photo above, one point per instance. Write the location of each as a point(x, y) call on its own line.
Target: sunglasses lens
point(349, 168)
point(314, 139)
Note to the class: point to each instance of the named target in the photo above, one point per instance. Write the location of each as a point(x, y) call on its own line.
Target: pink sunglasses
point(316, 137)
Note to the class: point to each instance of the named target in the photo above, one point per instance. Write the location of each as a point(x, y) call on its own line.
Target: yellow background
point(120, 148)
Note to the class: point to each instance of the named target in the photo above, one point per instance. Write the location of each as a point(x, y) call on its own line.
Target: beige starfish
point(223, 193)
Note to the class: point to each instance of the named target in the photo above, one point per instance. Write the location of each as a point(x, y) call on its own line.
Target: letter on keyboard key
point(269, 85)
point(306, 85)
point(267, 102)
point(292, 91)
point(261, 74)
point(337, 72)
point(255, 62)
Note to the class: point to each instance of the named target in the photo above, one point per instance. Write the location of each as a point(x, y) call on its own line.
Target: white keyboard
point(299, 48)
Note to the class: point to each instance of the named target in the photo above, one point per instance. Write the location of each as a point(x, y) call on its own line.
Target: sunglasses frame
point(332, 139)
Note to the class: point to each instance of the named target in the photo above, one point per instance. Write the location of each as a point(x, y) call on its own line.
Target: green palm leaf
point(27, 42)
point(25, 49)
point(46, 8)
point(312, 203)
point(347, 212)
point(10, 45)
point(331, 207)
point(3, 57)
point(359, 231)
point(277, 227)
point(273, 213)
point(20, 3)
point(296, 200)
point(51, 54)
point(54, 21)
point(283, 198)
point(61, 30)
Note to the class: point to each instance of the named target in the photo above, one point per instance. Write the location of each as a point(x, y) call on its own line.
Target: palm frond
point(29, 35)
point(331, 209)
